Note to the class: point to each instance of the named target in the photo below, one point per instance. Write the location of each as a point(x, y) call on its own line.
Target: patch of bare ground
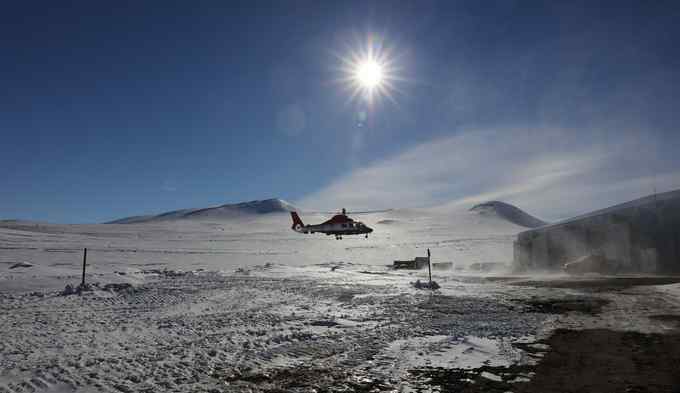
point(596, 360)
point(587, 305)
point(597, 284)
point(602, 360)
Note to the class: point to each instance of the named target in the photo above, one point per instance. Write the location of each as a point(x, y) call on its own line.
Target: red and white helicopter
point(339, 226)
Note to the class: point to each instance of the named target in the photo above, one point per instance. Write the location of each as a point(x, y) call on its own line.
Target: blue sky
point(115, 109)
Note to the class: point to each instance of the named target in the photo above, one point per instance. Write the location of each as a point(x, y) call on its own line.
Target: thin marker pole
point(82, 283)
point(429, 268)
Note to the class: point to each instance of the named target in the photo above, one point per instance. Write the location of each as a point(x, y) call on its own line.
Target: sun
point(369, 70)
point(369, 74)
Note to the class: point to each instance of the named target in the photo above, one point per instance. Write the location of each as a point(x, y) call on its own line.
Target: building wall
point(642, 238)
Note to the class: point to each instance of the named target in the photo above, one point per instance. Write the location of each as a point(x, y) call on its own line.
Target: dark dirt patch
point(20, 265)
point(376, 273)
point(664, 317)
point(118, 287)
point(601, 360)
point(587, 305)
point(503, 279)
point(596, 360)
point(598, 283)
point(346, 297)
point(324, 323)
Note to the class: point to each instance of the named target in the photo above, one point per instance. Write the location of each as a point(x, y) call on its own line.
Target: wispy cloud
point(549, 172)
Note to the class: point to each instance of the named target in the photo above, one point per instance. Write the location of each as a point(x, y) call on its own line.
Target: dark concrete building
point(637, 236)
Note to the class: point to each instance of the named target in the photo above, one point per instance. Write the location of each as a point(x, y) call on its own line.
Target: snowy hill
point(266, 206)
point(508, 212)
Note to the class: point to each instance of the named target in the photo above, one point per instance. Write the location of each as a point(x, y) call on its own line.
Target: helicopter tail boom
point(297, 222)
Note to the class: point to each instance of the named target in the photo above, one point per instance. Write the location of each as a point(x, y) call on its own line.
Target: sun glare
point(369, 71)
point(369, 74)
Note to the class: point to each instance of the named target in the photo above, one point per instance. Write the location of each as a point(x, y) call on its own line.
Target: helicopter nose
point(370, 230)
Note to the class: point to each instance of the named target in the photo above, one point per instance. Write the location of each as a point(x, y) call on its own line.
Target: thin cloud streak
point(549, 172)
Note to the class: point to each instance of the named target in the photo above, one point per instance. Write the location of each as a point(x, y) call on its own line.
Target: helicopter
point(339, 225)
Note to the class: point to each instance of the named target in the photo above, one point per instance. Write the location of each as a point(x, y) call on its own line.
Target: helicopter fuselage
point(340, 225)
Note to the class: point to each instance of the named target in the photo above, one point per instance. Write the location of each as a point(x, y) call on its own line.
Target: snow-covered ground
point(247, 303)
point(56, 250)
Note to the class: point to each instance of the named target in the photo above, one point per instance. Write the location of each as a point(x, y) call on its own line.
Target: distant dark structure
point(640, 236)
point(415, 264)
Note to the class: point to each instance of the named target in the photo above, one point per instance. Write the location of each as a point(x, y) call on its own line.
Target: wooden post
point(82, 283)
point(429, 267)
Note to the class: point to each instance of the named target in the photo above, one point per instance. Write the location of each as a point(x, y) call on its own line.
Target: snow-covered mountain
point(508, 212)
point(266, 206)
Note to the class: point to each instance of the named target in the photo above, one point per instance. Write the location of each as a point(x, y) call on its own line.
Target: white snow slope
point(462, 237)
point(246, 304)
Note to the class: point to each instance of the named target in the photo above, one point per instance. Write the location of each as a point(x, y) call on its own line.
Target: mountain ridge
point(229, 210)
point(509, 212)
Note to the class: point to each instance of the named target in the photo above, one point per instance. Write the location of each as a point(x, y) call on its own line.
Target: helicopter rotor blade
point(353, 212)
